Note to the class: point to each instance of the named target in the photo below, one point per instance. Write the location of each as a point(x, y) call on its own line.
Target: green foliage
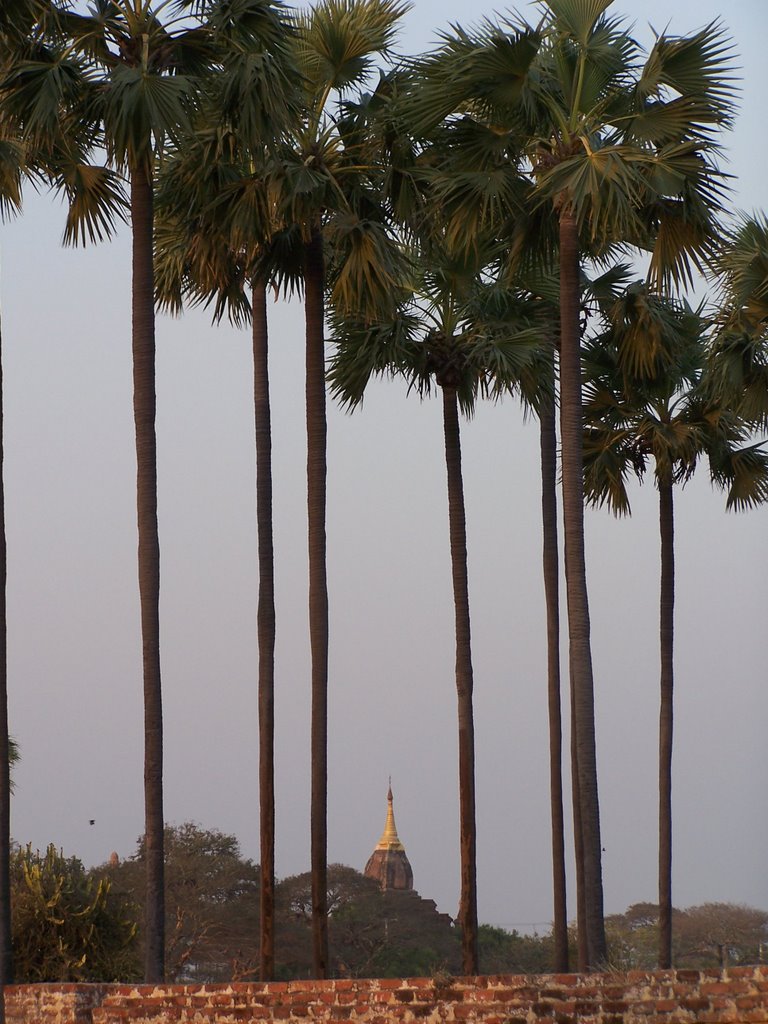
point(14, 756)
point(503, 952)
point(371, 933)
point(451, 328)
point(738, 357)
point(212, 903)
point(646, 401)
point(709, 935)
point(68, 924)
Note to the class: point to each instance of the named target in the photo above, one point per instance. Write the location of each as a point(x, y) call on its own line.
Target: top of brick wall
point(736, 995)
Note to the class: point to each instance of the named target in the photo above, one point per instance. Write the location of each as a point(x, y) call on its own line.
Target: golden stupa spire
point(389, 837)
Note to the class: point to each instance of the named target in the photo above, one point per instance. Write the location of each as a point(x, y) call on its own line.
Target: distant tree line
point(73, 924)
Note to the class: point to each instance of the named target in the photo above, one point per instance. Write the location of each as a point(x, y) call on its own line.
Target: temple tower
point(388, 863)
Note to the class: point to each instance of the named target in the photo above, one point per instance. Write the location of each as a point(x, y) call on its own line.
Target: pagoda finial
point(389, 837)
point(388, 864)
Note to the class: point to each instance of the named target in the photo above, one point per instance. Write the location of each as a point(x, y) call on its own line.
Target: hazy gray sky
point(74, 643)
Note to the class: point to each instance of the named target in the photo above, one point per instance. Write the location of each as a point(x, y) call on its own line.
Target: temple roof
point(388, 863)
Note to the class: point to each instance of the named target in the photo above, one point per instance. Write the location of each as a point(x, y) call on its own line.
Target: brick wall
point(734, 996)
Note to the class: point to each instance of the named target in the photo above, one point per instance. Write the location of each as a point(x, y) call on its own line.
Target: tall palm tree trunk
point(6, 951)
point(580, 655)
point(582, 951)
point(551, 565)
point(149, 564)
point(667, 626)
point(314, 282)
point(266, 630)
point(464, 683)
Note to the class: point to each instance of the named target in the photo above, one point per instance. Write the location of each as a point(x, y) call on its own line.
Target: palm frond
point(579, 17)
point(369, 268)
point(11, 172)
point(36, 91)
point(140, 108)
point(742, 269)
point(737, 372)
point(609, 460)
point(364, 351)
point(96, 203)
point(487, 69)
point(337, 41)
point(743, 472)
point(699, 66)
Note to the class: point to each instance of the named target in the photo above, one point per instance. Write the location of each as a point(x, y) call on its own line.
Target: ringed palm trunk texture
point(582, 953)
point(149, 564)
point(667, 627)
point(464, 683)
point(6, 951)
point(580, 655)
point(314, 282)
point(552, 599)
point(265, 630)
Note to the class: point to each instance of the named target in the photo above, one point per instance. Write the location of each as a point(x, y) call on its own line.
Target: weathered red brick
point(688, 975)
point(463, 1011)
point(748, 1002)
point(694, 1004)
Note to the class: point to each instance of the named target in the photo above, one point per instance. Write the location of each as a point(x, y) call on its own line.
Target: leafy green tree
point(720, 934)
point(69, 924)
point(212, 898)
point(372, 933)
point(504, 952)
point(642, 403)
point(710, 935)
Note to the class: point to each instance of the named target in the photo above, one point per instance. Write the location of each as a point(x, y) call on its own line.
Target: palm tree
point(643, 402)
point(52, 158)
point(473, 162)
point(10, 202)
point(202, 257)
point(542, 289)
point(625, 157)
point(545, 288)
point(324, 192)
point(11, 170)
point(315, 195)
point(551, 570)
point(134, 82)
point(214, 225)
point(622, 154)
point(468, 337)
